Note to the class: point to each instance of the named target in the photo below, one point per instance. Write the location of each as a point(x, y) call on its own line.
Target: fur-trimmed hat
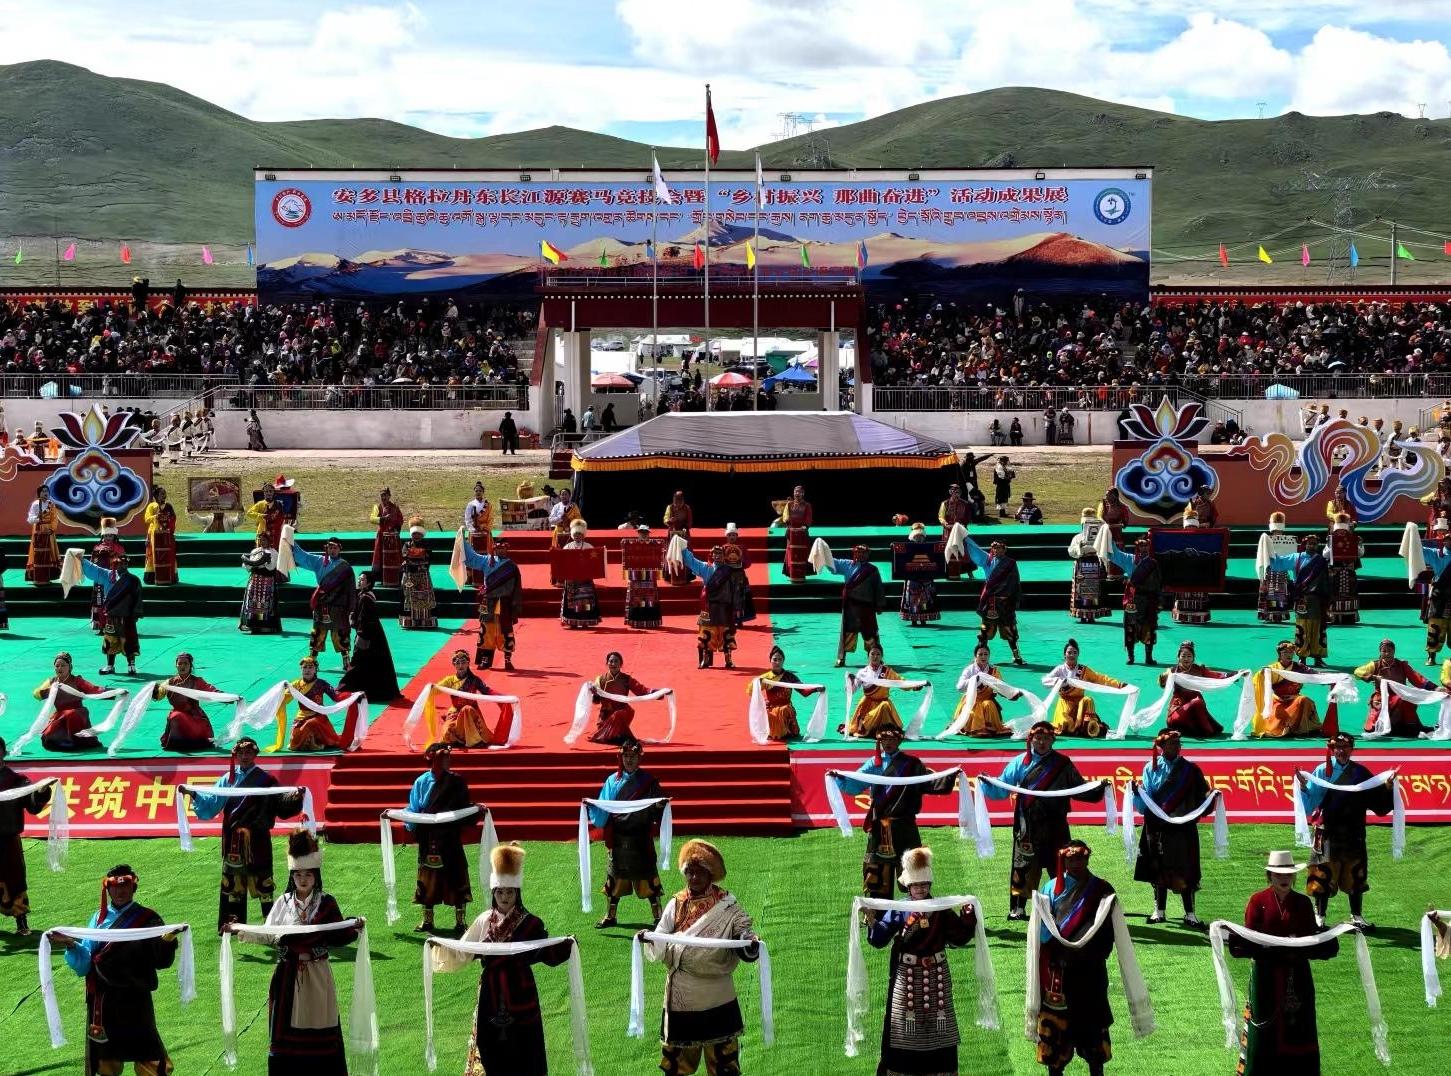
point(579, 526)
point(1277, 521)
point(415, 525)
point(916, 867)
point(303, 852)
point(705, 853)
point(507, 861)
point(108, 525)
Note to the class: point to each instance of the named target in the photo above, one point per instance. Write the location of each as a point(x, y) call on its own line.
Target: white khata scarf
point(1342, 689)
point(1305, 839)
point(760, 723)
point(1416, 696)
point(820, 557)
point(1412, 553)
point(58, 834)
point(1141, 1009)
point(856, 965)
point(589, 693)
point(136, 712)
point(185, 964)
point(1215, 799)
point(1058, 678)
point(1149, 715)
point(270, 710)
point(1229, 1011)
point(362, 1012)
point(183, 823)
point(579, 1029)
point(1432, 946)
point(47, 711)
point(667, 835)
point(970, 681)
point(636, 1027)
point(423, 713)
point(866, 678)
point(982, 824)
point(838, 802)
point(488, 838)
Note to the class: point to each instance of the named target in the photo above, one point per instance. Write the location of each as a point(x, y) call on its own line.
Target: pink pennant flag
point(206, 255)
point(1304, 254)
point(70, 253)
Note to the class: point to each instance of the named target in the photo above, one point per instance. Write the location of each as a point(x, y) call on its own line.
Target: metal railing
point(126, 386)
point(1217, 387)
point(1090, 398)
point(398, 397)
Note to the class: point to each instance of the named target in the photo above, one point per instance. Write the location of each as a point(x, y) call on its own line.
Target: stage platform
point(722, 782)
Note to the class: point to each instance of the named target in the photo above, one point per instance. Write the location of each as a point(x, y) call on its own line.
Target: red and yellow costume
point(796, 518)
point(1404, 719)
point(71, 719)
point(463, 725)
point(1291, 712)
point(1076, 714)
point(160, 545)
point(313, 732)
point(875, 710)
point(42, 562)
point(1188, 714)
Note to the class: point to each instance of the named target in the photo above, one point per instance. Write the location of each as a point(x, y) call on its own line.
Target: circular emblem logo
point(291, 208)
point(1111, 206)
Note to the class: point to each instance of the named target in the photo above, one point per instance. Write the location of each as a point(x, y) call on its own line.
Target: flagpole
point(756, 296)
point(655, 280)
point(707, 252)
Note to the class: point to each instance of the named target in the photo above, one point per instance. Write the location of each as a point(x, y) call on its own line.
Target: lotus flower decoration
point(93, 484)
point(1165, 422)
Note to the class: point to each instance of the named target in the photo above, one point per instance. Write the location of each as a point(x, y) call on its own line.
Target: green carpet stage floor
point(798, 892)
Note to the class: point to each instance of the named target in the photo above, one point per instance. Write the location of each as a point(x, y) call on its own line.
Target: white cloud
point(1342, 71)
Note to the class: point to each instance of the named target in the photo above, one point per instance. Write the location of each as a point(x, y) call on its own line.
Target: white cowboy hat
point(1283, 863)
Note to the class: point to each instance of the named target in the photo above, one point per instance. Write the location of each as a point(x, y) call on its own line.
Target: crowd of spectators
point(413, 341)
point(1015, 350)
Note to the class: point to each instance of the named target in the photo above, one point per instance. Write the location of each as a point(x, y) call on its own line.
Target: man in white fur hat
point(701, 1017)
point(1280, 1035)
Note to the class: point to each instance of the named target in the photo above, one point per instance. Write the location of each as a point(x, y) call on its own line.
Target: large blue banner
point(480, 234)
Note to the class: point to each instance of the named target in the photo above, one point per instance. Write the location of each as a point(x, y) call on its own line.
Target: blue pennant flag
point(251, 258)
point(1354, 256)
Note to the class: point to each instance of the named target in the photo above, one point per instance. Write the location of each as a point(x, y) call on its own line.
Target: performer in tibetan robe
point(419, 610)
point(388, 544)
point(579, 606)
point(642, 557)
point(612, 724)
point(919, 590)
point(443, 866)
point(1113, 513)
point(1275, 606)
point(986, 719)
point(950, 513)
point(875, 710)
point(69, 728)
point(312, 731)
point(891, 819)
point(479, 529)
point(630, 838)
point(462, 724)
point(997, 604)
point(372, 671)
point(1343, 552)
point(1088, 595)
point(42, 560)
point(1280, 1035)
point(187, 726)
point(14, 887)
point(507, 1032)
point(160, 540)
point(780, 701)
point(1188, 714)
point(678, 521)
point(1339, 862)
point(1076, 713)
point(1191, 606)
point(1404, 718)
point(500, 603)
point(1169, 854)
point(1143, 584)
point(332, 598)
point(862, 597)
point(796, 518)
point(259, 614)
point(1291, 712)
point(100, 555)
point(1310, 593)
point(919, 1030)
point(1040, 823)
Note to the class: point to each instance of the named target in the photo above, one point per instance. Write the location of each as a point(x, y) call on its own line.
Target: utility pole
point(1421, 105)
point(1261, 106)
point(1393, 254)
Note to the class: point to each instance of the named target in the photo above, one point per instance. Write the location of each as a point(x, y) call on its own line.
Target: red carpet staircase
point(536, 796)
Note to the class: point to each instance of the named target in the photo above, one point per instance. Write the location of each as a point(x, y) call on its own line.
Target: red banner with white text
point(115, 799)
point(1256, 783)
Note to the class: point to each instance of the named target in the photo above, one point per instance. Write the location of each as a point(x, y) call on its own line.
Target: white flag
point(760, 185)
point(662, 192)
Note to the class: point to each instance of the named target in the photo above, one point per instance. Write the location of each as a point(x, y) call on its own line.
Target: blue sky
point(635, 68)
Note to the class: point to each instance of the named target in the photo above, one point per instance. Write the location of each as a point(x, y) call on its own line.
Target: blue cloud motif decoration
point(95, 486)
point(1160, 482)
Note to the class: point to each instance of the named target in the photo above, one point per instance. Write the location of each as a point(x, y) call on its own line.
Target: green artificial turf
point(799, 891)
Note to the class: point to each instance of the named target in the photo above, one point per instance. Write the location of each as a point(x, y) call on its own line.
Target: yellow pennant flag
point(750, 256)
point(1264, 257)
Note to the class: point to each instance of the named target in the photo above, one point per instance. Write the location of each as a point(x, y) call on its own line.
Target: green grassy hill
point(105, 159)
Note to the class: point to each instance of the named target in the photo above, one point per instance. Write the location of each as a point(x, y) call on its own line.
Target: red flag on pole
point(1446, 249)
point(1223, 256)
point(712, 136)
point(125, 254)
point(699, 259)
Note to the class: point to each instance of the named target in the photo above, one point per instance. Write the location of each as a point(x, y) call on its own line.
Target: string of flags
point(1261, 254)
point(124, 254)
